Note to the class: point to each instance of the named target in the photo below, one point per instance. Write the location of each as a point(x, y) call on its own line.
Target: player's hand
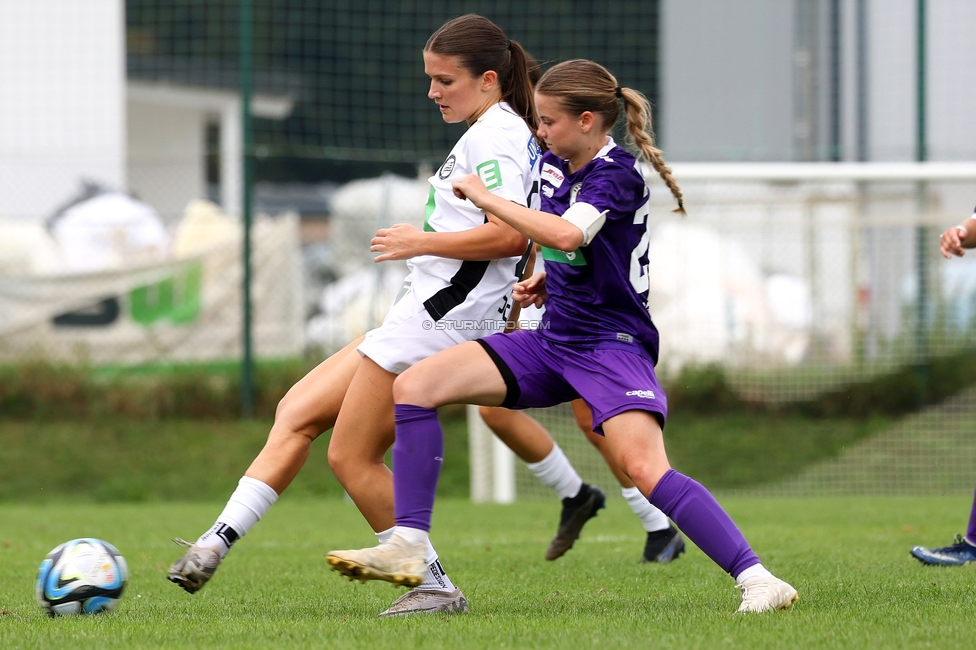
point(401, 241)
point(470, 187)
point(950, 243)
point(531, 291)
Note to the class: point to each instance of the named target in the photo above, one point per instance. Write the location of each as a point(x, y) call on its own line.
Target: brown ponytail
point(583, 85)
point(519, 91)
point(480, 46)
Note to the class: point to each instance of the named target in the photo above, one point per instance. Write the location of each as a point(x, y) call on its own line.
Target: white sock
point(755, 571)
point(412, 535)
point(385, 535)
point(652, 518)
point(249, 502)
point(555, 471)
point(436, 578)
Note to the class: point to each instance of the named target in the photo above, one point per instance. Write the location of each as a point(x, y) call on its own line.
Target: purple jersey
point(598, 293)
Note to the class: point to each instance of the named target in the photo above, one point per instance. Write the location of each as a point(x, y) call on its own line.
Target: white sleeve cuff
point(587, 218)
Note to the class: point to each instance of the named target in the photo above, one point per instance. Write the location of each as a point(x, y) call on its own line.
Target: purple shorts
point(540, 373)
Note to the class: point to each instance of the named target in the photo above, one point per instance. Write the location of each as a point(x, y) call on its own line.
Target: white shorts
point(406, 336)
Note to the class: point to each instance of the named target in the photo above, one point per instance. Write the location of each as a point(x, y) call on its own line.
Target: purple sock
point(702, 519)
point(971, 531)
point(417, 457)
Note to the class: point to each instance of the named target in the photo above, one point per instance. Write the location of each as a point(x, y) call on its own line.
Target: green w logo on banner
point(176, 299)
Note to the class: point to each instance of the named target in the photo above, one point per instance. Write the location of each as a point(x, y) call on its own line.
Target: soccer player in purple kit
point(596, 340)
point(963, 550)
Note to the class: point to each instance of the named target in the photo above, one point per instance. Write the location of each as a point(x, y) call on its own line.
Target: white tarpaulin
point(178, 310)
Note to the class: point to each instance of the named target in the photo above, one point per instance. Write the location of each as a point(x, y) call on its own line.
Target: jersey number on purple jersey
point(638, 271)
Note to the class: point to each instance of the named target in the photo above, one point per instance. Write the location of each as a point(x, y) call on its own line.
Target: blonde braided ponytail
point(583, 85)
point(639, 132)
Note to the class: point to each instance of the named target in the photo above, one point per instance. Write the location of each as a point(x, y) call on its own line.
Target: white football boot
point(765, 593)
point(395, 560)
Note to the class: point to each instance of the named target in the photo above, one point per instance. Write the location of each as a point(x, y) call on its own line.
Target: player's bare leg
point(400, 559)
point(636, 442)
point(664, 543)
point(308, 409)
point(363, 434)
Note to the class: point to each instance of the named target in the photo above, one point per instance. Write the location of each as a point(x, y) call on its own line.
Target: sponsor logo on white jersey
point(646, 394)
point(551, 174)
point(490, 173)
point(447, 167)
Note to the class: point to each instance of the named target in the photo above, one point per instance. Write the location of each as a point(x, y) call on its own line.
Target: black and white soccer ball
point(83, 576)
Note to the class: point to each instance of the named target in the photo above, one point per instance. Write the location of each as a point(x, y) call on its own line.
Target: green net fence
point(836, 343)
point(354, 69)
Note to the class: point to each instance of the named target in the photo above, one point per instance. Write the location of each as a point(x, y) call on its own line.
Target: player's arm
point(541, 227)
point(492, 240)
point(955, 239)
point(489, 149)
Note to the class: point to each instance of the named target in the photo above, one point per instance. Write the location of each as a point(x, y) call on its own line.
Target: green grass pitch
point(848, 557)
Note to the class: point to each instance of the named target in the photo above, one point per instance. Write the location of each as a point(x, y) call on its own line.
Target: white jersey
point(464, 296)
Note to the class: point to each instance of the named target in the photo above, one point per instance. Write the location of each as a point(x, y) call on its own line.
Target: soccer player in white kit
point(462, 267)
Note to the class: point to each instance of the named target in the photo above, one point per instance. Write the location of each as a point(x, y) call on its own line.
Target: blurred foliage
point(899, 390)
point(43, 390)
point(145, 433)
point(112, 459)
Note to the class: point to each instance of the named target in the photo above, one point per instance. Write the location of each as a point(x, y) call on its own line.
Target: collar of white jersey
point(500, 106)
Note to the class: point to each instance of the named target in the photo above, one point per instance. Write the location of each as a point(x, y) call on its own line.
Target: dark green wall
point(356, 71)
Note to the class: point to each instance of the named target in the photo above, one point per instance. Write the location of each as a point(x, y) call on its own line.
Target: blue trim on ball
point(99, 604)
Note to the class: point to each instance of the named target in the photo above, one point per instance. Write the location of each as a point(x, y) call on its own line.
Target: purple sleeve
point(614, 188)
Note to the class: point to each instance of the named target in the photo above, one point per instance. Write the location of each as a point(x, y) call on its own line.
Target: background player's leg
point(309, 408)
point(960, 553)
point(533, 444)
point(664, 542)
point(584, 420)
point(637, 443)
point(971, 529)
point(520, 433)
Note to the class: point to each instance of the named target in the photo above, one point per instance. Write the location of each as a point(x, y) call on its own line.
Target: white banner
point(180, 310)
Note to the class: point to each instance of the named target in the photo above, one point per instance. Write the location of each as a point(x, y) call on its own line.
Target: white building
point(68, 115)
point(768, 80)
